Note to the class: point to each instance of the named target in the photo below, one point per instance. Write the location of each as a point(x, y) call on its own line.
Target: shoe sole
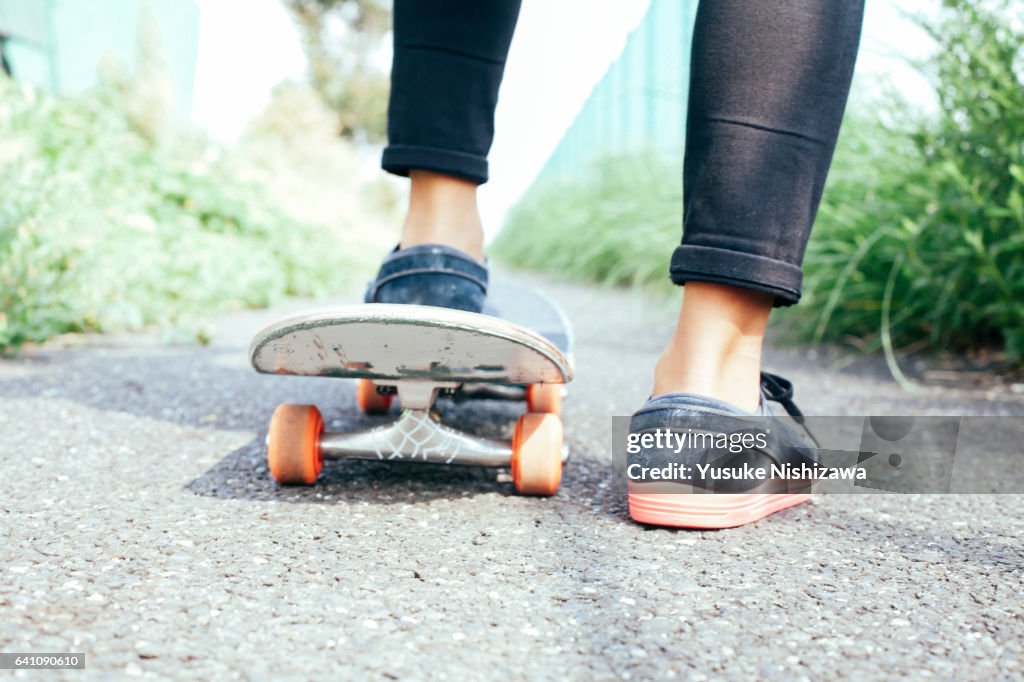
point(713, 511)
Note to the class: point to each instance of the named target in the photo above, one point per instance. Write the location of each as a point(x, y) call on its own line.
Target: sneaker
point(430, 274)
point(690, 490)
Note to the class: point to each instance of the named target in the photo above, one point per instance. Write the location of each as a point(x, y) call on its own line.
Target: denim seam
point(392, 148)
point(429, 271)
point(400, 159)
point(764, 128)
point(453, 52)
point(727, 271)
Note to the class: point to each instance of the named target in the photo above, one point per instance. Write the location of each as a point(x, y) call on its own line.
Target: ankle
point(716, 348)
point(464, 236)
point(443, 210)
point(730, 376)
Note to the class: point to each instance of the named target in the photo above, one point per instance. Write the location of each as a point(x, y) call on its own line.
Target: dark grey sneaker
point(682, 445)
point(430, 274)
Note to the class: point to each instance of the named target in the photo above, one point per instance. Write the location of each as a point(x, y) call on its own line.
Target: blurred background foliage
point(919, 242)
point(112, 220)
point(617, 224)
point(343, 41)
point(117, 215)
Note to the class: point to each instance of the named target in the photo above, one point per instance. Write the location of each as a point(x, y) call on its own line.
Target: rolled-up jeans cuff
point(400, 159)
point(692, 263)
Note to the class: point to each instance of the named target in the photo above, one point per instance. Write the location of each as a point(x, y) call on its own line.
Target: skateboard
point(519, 348)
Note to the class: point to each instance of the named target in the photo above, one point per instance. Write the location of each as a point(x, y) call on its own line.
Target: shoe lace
point(780, 390)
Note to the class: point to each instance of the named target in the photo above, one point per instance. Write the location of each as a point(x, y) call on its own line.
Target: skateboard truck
point(417, 435)
point(297, 443)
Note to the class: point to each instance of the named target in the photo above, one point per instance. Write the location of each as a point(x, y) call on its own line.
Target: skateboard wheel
point(537, 454)
point(544, 398)
point(369, 400)
point(293, 444)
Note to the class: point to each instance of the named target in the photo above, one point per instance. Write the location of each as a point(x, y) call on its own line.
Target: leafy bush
point(103, 228)
point(920, 236)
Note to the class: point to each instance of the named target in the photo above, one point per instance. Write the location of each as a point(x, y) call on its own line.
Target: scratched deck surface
point(394, 342)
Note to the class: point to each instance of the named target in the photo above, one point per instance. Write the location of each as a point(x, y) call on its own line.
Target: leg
point(768, 87)
point(449, 58)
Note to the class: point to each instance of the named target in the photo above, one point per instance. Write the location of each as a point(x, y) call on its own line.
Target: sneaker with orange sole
point(681, 473)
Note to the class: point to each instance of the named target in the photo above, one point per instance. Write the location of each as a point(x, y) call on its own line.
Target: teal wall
point(58, 45)
point(640, 103)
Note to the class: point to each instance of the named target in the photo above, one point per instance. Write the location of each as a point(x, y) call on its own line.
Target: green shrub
point(921, 234)
point(103, 228)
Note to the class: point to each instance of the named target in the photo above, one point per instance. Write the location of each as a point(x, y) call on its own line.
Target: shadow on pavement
point(243, 474)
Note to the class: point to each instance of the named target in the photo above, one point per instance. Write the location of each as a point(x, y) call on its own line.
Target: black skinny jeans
point(768, 86)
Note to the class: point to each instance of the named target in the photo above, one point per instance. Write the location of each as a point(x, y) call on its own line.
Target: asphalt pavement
point(140, 526)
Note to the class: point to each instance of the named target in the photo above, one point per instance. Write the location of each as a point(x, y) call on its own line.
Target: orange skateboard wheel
point(369, 400)
point(537, 454)
point(545, 398)
point(293, 444)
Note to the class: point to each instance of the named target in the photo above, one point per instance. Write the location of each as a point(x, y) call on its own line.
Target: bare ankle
point(731, 377)
point(443, 210)
point(461, 238)
point(716, 348)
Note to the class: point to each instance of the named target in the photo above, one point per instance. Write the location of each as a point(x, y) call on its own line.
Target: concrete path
point(139, 525)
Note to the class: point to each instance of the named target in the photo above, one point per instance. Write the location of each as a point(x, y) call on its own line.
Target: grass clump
point(919, 240)
point(617, 224)
point(103, 227)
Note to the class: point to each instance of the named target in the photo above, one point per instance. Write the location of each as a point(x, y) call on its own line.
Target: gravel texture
point(140, 526)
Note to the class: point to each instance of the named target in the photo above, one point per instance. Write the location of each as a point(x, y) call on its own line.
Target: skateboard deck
point(519, 347)
point(521, 337)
